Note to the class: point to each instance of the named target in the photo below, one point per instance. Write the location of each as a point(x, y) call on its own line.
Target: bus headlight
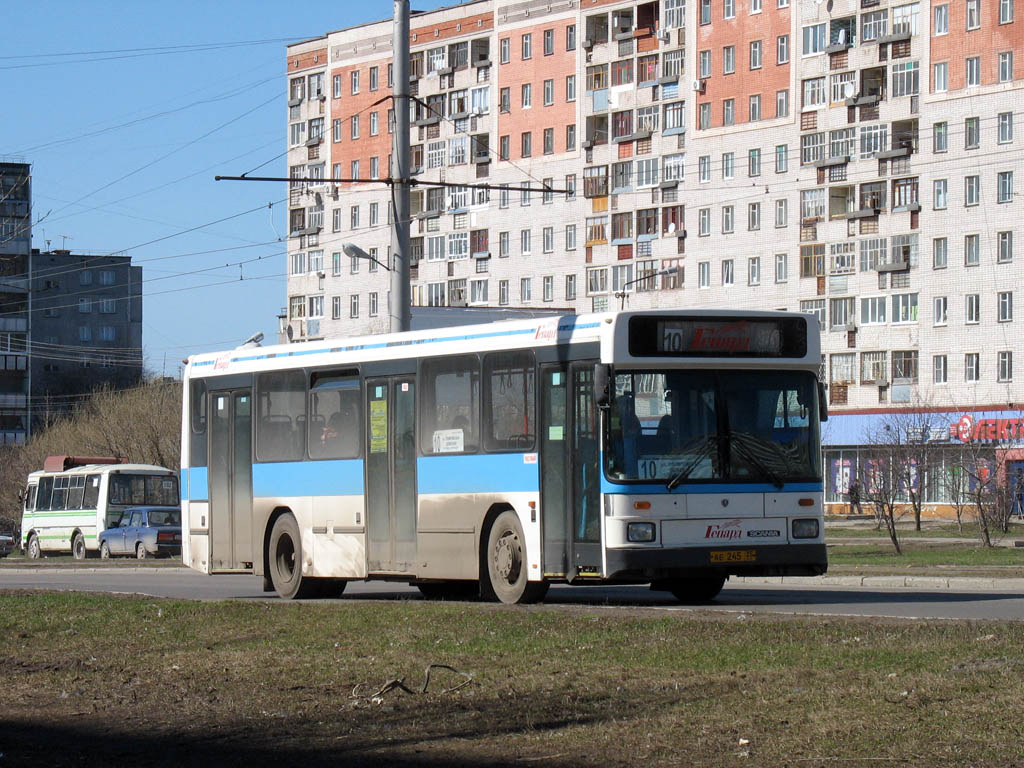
point(805, 529)
point(640, 532)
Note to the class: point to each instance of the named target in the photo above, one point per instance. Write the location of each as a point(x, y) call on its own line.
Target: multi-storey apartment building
point(15, 247)
point(86, 323)
point(853, 159)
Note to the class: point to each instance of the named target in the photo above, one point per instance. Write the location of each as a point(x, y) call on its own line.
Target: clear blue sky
point(127, 110)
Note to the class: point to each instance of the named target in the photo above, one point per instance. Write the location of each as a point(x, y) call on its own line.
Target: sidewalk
point(866, 581)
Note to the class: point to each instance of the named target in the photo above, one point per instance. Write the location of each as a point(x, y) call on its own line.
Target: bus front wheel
point(285, 556)
point(78, 546)
point(34, 550)
point(507, 576)
point(697, 590)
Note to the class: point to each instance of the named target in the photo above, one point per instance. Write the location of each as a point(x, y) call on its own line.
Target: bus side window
point(335, 428)
point(30, 498)
point(450, 410)
point(76, 491)
point(91, 498)
point(281, 416)
point(45, 493)
point(510, 395)
point(197, 442)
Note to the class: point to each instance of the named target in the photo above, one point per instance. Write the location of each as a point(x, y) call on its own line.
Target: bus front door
point(391, 475)
point(231, 481)
point(570, 473)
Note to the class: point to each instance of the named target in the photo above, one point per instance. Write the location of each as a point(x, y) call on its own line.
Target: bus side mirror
point(822, 402)
point(602, 385)
point(21, 495)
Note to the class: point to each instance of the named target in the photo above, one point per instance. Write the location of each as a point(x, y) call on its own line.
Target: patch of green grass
point(552, 686)
point(928, 531)
point(916, 555)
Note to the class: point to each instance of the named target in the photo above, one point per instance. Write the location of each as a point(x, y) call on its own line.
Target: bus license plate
point(734, 556)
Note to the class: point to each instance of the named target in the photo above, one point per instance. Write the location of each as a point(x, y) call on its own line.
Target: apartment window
point(755, 54)
point(940, 137)
point(727, 219)
point(728, 164)
point(503, 292)
point(570, 88)
point(754, 270)
point(353, 305)
point(814, 39)
point(940, 26)
point(549, 92)
point(704, 64)
point(527, 95)
point(570, 237)
point(728, 111)
point(336, 130)
point(939, 196)
point(353, 217)
point(754, 162)
point(1004, 253)
point(782, 49)
point(597, 281)
point(503, 247)
point(972, 308)
point(549, 141)
point(549, 42)
point(781, 212)
point(704, 274)
point(841, 313)
point(1005, 371)
point(108, 306)
point(905, 78)
point(1004, 186)
point(504, 150)
point(972, 366)
point(814, 92)
point(527, 46)
point(704, 168)
point(872, 310)
point(336, 307)
point(972, 250)
point(374, 78)
point(549, 239)
point(753, 217)
point(354, 81)
point(940, 77)
point(874, 25)
point(1005, 11)
point(526, 144)
point(940, 369)
point(570, 137)
point(973, 68)
point(781, 158)
point(1005, 304)
point(728, 276)
point(504, 47)
point(672, 167)
point(940, 310)
point(781, 268)
point(570, 37)
point(940, 253)
point(336, 86)
point(973, 14)
point(704, 222)
point(1005, 127)
point(525, 289)
point(972, 190)
point(524, 242)
point(782, 103)
point(704, 116)
point(728, 59)
point(354, 126)
point(904, 365)
point(904, 308)
point(647, 172)
point(705, 11)
point(1006, 67)
point(755, 107)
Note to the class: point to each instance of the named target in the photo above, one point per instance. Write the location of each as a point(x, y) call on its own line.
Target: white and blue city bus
point(670, 448)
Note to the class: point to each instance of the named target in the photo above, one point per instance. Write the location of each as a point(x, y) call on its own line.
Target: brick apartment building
point(850, 159)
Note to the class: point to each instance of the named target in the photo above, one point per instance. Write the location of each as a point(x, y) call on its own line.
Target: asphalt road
point(737, 598)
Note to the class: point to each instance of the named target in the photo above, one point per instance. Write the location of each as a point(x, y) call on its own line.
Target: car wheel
point(506, 564)
point(34, 550)
point(78, 546)
point(284, 553)
point(140, 551)
point(104, 550)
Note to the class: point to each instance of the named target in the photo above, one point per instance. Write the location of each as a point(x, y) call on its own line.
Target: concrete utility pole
point(400, 299)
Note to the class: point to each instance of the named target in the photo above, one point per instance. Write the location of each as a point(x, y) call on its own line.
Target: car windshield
point(701, 425)
point(155, 490)
point(164, 517)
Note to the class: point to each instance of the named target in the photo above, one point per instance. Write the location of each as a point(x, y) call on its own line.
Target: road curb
point(962, 583)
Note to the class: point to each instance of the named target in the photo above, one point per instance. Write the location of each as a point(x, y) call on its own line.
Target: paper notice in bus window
point(378, 426)
point(555, 433)
point(449, 441)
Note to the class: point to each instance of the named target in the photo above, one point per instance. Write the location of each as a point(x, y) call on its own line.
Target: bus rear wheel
point(696, 590)
point(506, 562)
point(284, 551)
point(78, 546)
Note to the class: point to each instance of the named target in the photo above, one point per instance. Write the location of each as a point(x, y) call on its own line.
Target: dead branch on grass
point(399, 683)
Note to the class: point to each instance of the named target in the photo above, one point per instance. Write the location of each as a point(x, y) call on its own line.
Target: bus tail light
point(805, 529)
point(641, 505)
point(806, 502)
point(640, 532)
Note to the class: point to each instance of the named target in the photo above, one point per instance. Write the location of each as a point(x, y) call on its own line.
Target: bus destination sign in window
point(652, 336)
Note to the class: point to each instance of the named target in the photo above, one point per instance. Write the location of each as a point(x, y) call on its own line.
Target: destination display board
point(718, 336)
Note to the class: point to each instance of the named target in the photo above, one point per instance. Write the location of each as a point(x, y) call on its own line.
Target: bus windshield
point(143, 490)
point(722, 426)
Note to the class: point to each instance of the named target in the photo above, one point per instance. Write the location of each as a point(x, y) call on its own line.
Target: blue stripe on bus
point(477, 473)
point(194, 484)
point(343, 477)
point(562, 328)
point(695, 488)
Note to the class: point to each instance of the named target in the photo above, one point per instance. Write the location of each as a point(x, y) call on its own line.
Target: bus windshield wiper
point(745, 445)
point(703, 445)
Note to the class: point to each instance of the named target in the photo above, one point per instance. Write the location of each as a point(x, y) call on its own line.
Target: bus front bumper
point(657, 563)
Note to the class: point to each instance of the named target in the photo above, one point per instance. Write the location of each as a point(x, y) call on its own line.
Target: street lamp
point(621, 294)
point(353, 250)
